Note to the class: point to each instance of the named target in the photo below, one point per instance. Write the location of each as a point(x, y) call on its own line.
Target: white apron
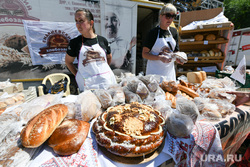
point(93, 69)
point(158, 67)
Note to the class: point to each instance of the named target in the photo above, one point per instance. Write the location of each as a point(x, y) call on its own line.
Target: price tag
point(196, 59)
point(205, 42)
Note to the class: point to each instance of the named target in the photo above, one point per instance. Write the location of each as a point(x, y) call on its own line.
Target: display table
point(204, 139)
point(208, 138)
point(229, 134)
point(233, 130)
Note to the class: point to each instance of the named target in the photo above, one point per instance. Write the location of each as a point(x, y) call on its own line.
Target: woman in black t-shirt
point(93, 54)
point(160, 43)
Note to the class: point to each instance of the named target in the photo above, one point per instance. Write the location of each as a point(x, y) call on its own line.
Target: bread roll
point(194, 77)
point(68, 137)
point(211, 53)
point(199, 37)
point(210, 37)
point(40, 127)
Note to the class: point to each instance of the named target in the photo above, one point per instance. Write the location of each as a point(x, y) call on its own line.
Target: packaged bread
point(69, 136)
point(190, 92)
point(199, 37)
point(179, 125)
point(104, 97)
point(172, 98)
point(210, 37)
point(90, 105)
point(187, 107)
point(40, 127)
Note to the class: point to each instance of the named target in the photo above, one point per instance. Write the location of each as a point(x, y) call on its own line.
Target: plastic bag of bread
point(207, 109)
point(181, 56)
point(225, 82)
point(179, 125)
point(151, 81)
point(130, 96)
point(104, 97)
point(132, 83)
point(89, 105)
point(187, 107)
point(117, 94)
point(169, 86)
point(162, 105)
point(221, 93)
point(35, 106)
point(142, 90)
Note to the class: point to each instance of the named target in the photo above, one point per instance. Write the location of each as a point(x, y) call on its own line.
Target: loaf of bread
point(194, 77)
point(40, 127)
point(190, 92)
point(210, 37)
point(69, 136)
point(199, 37)
point(211, 53)
point(203, 75)
point(130, 130)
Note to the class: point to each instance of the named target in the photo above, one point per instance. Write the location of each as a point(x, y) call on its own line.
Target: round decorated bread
point(130, 130)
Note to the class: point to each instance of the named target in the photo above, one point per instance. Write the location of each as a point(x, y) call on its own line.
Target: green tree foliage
point(238, 11)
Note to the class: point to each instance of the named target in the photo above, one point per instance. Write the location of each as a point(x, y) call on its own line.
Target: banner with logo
point(48, 41)
point(16, 62)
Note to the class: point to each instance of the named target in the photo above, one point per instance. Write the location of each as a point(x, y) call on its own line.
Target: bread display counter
point(197, 125)
point(206, 45)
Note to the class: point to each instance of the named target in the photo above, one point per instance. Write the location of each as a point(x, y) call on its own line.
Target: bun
point(40, 127)
point(68, 137)
point(199, 37)
point(210, 37)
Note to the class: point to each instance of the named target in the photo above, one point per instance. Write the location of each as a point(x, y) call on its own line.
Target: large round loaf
point(69, 136)
point(40, 127)
point(130, 130)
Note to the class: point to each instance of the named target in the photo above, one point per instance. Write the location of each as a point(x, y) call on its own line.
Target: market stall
point(223, 133)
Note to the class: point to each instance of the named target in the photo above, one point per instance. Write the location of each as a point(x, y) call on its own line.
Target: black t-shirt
point(152, 36)
point(75, 44)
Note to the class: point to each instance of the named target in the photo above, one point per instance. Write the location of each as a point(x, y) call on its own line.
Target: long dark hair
point(88, 15)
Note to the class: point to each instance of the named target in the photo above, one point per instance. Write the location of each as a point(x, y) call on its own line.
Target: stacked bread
point(65, 138)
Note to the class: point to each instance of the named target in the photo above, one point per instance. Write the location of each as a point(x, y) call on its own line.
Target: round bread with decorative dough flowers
point(130, 130)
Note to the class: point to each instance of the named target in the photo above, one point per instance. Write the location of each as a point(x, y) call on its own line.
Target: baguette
point(41, 126)
point(188, 91)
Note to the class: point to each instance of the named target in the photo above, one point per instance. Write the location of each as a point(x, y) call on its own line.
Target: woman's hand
point(165, 59)
point(179, 61)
